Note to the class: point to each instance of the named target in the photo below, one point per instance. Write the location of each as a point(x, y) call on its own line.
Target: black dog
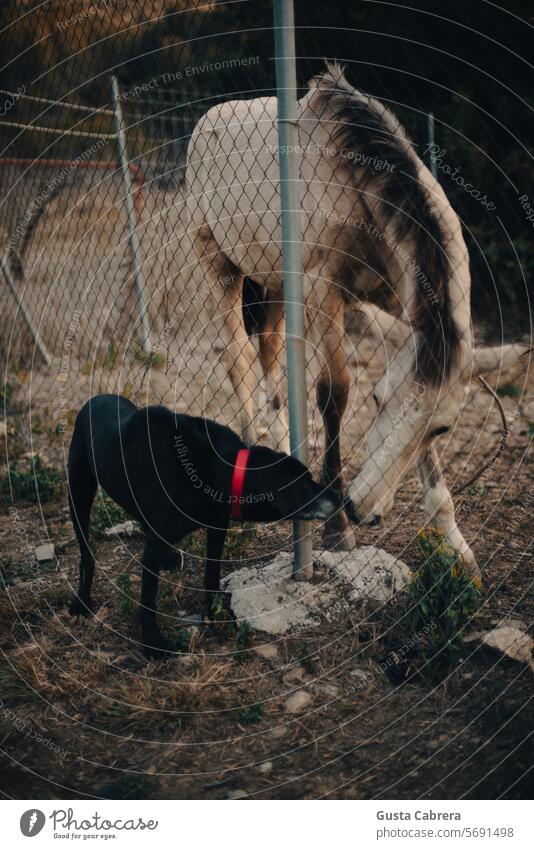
point(173, 474)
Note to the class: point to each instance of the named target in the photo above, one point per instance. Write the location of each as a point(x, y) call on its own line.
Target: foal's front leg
point(440, 509)
point(332, 395)
point(271, 341)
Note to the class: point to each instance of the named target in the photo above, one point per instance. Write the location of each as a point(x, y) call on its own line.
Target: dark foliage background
point(467, 62)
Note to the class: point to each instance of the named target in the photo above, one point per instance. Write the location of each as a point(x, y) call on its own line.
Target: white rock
point(266, 767)
point(237, 794)
point(297, 701)
point(270, 600)
point(44, 553)
point(370, 571)
point(329, 690)
point(510, 641)
point(125, 529)
point(269, 652)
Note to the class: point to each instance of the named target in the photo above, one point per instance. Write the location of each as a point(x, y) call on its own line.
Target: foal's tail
point(254, 306)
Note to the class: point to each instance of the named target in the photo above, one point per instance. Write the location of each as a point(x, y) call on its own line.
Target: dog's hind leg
point(82, 489)
point(154, 643)
point(212, 574)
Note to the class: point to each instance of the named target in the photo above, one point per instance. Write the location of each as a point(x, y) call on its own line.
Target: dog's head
point(278, 486)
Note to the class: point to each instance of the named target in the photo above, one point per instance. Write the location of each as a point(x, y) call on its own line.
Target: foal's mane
point(366, 127)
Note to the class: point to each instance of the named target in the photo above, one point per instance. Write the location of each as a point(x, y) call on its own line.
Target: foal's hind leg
point(271, 341)
point(227, 285)
point(332, 395)
point(82, 489)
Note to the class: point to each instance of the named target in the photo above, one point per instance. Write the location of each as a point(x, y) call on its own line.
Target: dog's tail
point(254, 306)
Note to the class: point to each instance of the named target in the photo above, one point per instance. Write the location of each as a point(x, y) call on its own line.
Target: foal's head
point(409, 415)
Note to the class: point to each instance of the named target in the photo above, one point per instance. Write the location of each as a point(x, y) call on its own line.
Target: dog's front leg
point(212, 574)
point(154, 643)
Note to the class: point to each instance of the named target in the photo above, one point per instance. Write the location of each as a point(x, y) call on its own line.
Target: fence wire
point(377, 232)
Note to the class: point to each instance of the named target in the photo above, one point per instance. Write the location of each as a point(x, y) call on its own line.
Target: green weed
point(442, 600)
point(40, 484)
point(509, 390)
point(251, 714)
point(105, 514)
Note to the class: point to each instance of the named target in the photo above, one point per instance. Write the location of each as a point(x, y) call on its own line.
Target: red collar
point(238, 481)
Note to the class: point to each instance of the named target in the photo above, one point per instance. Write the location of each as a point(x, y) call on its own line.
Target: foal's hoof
point(472, 568)
point(339, 539)
point(80, 608)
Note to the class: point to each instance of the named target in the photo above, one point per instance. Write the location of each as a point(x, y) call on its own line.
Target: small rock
point(266, 767)
point(279, 731)
point(237, 794)
point(294, 675)
point(297, 702)
point(327, 690)
point(127, 529)
point(362, 677)
point(3, 429)
point(269, 652)
point(45, 553)
point(510, 641)
point(190, 618)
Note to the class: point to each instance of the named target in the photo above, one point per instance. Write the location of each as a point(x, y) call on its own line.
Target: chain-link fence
point(142, 254)
point(161, 279)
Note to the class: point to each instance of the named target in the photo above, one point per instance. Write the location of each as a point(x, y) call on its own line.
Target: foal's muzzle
point(352, 514)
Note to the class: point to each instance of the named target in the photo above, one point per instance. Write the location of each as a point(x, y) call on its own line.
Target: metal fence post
point(286, 86)
point(128, 183)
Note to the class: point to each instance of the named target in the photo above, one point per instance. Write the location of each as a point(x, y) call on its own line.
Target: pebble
point(44, 553)
point(269, 652)
point(297, 702)
point(279, 731)
point(266, 767)
point(294, 675)
point(237, 794)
